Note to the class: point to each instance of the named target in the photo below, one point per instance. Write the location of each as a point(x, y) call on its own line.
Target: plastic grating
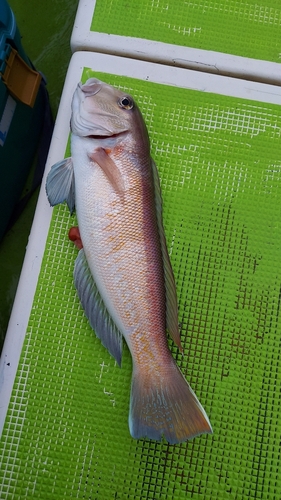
point(248, 28)
point(66, 432)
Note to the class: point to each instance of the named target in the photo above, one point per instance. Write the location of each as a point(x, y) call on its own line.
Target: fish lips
point(91, 87)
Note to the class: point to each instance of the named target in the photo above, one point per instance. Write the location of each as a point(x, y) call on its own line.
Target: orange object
point(22, 81)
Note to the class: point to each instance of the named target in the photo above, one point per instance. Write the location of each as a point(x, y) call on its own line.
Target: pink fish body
point(123, 274)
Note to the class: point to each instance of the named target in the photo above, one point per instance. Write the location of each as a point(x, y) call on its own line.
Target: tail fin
point(165, 405)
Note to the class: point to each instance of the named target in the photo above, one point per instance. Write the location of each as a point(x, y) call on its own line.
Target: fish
point(123, 274)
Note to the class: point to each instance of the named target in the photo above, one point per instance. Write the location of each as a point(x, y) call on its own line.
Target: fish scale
point(136, 241)
point(123, 273)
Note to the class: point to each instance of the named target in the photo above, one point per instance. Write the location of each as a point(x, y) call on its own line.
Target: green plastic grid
point(248, 28)
point(66, 432)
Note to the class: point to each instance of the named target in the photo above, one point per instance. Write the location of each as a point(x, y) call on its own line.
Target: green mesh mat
point(249, 28)
point(66, 432)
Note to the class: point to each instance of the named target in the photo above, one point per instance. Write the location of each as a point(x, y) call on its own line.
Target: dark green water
point(45, 28)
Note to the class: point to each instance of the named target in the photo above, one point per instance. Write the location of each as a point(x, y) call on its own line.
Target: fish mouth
point(91, 87)
point(107, 136)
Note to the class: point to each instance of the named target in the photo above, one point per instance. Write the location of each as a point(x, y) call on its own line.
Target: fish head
point(102, 111)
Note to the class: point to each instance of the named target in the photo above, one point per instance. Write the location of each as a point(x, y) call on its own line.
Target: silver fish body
point(123, 273)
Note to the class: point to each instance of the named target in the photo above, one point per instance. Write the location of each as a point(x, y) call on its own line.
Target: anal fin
point(94, 308)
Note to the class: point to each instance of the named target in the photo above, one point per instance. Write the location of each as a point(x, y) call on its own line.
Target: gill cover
point(96, 110)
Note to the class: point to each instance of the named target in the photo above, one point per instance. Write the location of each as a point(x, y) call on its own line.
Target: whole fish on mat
point(123, 274)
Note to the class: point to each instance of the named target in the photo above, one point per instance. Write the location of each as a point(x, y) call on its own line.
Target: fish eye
point(126, 102)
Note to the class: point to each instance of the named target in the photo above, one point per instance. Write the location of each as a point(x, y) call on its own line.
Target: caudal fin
point(165, 405)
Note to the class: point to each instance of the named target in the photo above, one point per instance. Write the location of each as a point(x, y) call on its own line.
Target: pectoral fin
point(60, 184)
point(171, 293)
point(109, 168)
point(94, 308)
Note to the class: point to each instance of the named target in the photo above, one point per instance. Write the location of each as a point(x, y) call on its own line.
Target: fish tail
point(163, 404)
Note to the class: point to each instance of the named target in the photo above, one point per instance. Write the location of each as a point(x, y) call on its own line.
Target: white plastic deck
point(114, 65)
point(173, 55)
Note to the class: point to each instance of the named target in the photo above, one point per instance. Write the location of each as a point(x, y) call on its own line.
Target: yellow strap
point(22, 81)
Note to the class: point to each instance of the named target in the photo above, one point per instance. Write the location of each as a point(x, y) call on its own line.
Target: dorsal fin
point(171, 293)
